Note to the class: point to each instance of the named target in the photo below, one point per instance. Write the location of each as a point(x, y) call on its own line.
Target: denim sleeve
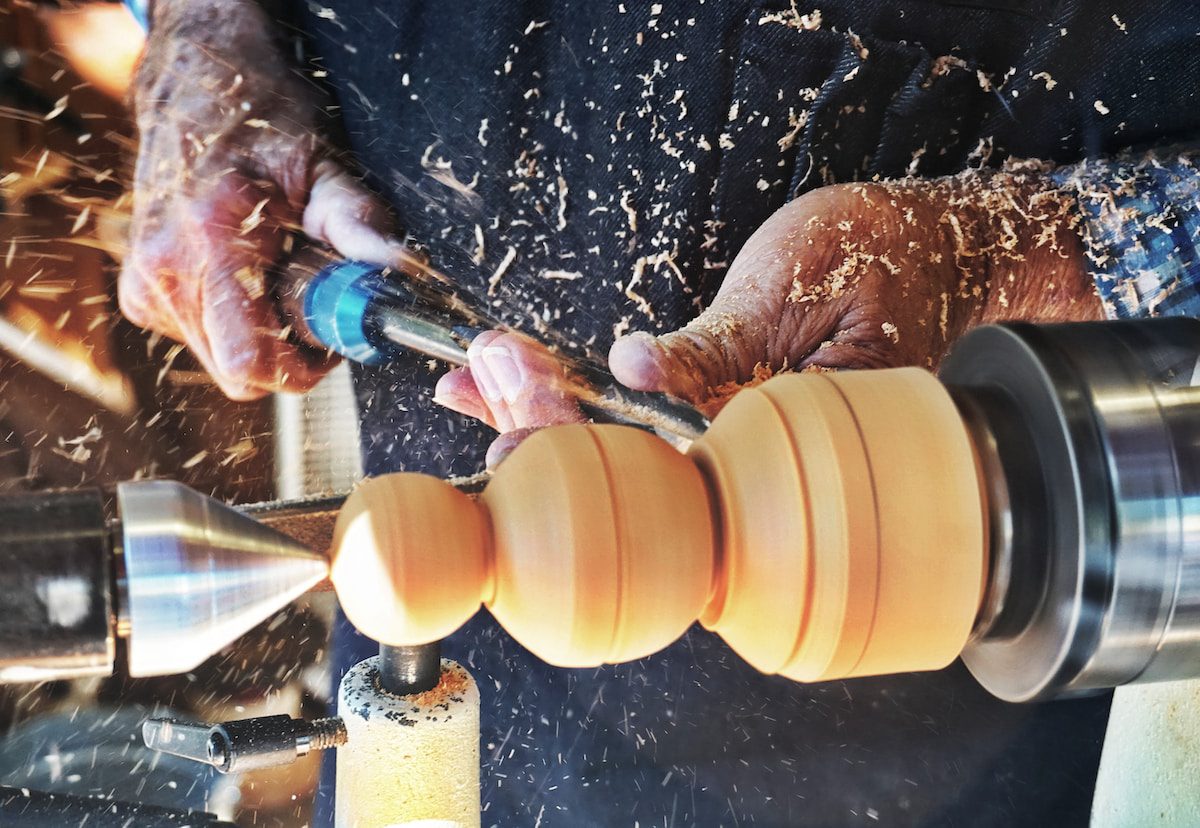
point(1140, 226)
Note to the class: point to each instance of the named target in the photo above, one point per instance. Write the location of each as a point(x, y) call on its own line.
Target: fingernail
point(484, 380)
point(504, 372)
point(639, 359)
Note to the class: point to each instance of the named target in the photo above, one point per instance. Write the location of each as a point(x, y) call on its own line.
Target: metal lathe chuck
point(1089, 436)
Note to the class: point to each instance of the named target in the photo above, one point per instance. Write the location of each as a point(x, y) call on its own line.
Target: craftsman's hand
point(229, 163)
point(873, 276)
point(851, 276)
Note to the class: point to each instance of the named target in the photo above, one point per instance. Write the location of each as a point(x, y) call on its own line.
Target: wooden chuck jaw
point(826, 526)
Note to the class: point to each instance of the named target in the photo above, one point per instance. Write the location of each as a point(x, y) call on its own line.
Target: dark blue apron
point(639, 145)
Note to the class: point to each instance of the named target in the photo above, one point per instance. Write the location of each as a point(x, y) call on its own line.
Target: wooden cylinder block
point(827, 526)
point(853, 538)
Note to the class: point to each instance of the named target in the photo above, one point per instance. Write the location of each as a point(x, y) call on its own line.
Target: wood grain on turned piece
point(826, 526)
point(931, 515)
point(854, 538)
point(409, 558)
point(799, 540)
point(590, 545)
point(603, 544)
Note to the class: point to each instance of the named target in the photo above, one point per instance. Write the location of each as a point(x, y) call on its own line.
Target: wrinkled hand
point(229, 163)
point(850, 276)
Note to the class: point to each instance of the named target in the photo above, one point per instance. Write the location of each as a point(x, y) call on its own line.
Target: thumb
point(719, 348)
point(343, 214)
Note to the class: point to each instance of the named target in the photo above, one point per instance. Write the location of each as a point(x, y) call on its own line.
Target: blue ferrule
point(140, 9)
point(335, 309)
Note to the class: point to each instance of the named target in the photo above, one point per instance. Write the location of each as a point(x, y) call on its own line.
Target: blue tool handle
point(337, 306)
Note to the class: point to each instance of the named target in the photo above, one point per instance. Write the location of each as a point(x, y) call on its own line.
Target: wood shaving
point(478, 256)
point(630, 212)
point(255, 218)
point(81, 220)
point(1045, 76)
point(195, 459)
point(794, 19)
point(562, 204)
point(253, 281)
point(796, 124)
point(857, 44)
point(498, 274)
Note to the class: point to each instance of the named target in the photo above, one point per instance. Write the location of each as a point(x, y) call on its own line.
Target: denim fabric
point(1141, 225)
point(616, 138)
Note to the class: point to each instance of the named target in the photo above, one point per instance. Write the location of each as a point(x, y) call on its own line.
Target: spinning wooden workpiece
point(826, 526)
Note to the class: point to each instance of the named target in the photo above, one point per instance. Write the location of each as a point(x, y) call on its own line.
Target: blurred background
point(88, 400)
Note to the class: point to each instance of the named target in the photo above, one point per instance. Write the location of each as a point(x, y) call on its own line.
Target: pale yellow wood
point(931, 517)
point(826, 526)
point(603, 544)
point(409, 558)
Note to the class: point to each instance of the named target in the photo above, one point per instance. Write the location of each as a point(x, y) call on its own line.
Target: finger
point(487, 385)
point(456, 390)
point(531, 382)
point(721, 346)
point(147, 292)
point(754, 323)
point(691, 363)
point(503, 445)
point(346, 216)
point(243, 335)
point(131, 297)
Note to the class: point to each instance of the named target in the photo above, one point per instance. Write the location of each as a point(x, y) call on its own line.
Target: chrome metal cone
point(198, 574)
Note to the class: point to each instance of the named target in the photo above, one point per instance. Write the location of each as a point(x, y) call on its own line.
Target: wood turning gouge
point(370, 314)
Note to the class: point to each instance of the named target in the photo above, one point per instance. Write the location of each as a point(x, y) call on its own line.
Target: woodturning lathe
point(1033, 510)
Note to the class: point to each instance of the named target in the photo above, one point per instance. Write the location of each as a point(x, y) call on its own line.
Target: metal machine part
point(177, 574)
point(1091, 438)
point(271, 741)
point(36, 809)
point(55, 587)
point(404, 671)
point(83, 753)
point(194, 575)
point(246, 744)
